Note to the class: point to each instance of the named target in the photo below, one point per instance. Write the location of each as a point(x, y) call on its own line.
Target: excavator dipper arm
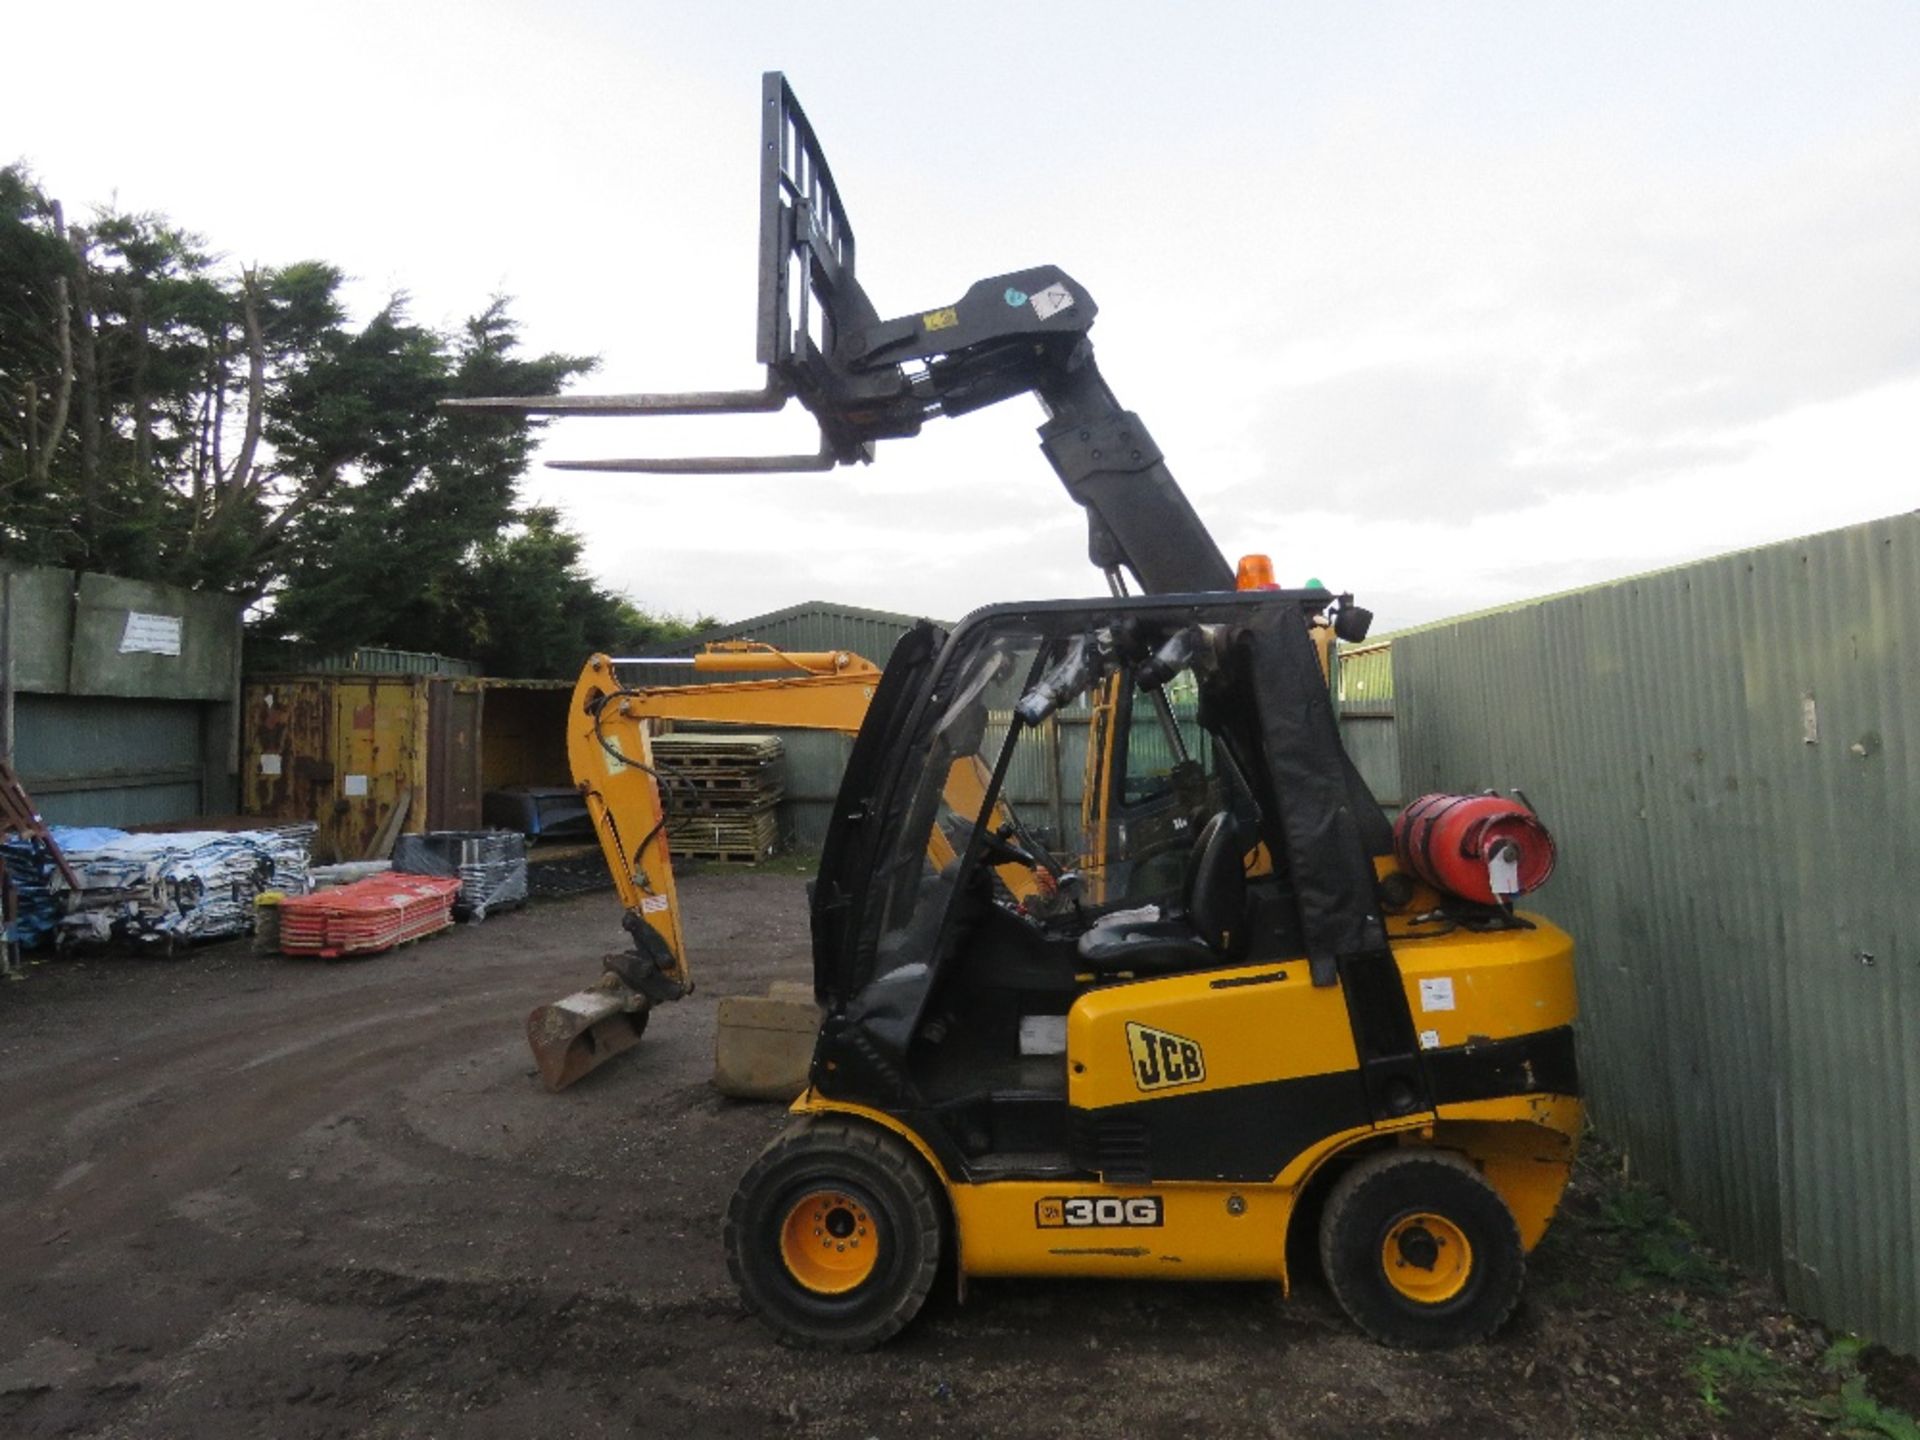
point(579, 1032)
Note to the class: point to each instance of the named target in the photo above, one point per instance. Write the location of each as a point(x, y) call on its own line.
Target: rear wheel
point(833, 1235)
point(1421, 1251)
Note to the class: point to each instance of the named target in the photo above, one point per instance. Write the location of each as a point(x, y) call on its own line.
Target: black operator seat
point(1209, 929)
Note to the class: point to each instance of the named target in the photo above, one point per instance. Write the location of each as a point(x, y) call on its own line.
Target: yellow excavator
point(1324, 1032)
point(610, 727)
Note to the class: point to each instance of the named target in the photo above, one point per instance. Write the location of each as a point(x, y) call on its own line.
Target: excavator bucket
point(580, 1032)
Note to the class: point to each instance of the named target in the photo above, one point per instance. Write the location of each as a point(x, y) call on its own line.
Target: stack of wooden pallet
point(721, 793)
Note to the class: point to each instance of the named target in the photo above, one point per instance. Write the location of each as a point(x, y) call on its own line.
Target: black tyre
point(833, 1235)
point(1420, 1251)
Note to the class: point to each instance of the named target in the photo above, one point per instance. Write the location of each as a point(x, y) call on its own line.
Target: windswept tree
point(164, 416)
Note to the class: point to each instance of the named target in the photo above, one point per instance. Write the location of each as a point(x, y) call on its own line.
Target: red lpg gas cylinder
point(1479, 847)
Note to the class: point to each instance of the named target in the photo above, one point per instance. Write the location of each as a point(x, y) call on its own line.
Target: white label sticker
point(652, 904)
point(1437, 994)
point(1043, 1034)
point(1051, 301)
point(269, 764)
point(1429, 1039)
point(355, 786)
point(150, 634)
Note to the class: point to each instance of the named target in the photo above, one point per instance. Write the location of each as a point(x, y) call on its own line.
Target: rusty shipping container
point(346, 749)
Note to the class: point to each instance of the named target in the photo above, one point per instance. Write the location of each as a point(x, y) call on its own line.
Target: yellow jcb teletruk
point(1283, 1042)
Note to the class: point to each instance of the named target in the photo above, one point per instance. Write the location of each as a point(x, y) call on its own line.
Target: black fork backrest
point(1217, 886)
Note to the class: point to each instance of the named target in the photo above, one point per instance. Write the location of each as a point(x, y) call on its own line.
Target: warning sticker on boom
point(1051, 301)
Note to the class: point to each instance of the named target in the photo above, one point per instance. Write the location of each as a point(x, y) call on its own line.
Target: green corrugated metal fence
point(1726, 755)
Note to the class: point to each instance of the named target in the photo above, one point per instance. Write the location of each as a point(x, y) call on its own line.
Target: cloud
point(1608, 334)
point(1816, 467)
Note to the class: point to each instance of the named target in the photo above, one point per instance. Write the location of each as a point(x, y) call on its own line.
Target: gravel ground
point(247, 1196)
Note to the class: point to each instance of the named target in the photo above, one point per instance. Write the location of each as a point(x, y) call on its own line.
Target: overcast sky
point(1447, 305)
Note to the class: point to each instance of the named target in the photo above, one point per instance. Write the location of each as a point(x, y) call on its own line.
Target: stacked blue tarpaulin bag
point(153, 890)
point(30, 866)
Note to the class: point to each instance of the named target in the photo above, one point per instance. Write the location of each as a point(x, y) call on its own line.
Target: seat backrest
point(1217, 886)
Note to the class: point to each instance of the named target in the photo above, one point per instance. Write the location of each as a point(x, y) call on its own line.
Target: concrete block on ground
point(763, 1044)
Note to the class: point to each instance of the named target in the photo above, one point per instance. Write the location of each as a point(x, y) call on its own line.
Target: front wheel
point(1420, 1251)
point(833, 1235)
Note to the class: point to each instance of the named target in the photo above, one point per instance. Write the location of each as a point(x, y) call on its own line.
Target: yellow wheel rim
point(828, 1242)
point(1426, 1258)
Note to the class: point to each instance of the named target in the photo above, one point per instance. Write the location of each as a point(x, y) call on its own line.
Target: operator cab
point(1118, 751)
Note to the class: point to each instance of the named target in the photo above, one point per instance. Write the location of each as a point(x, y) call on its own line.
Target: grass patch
point(1857, 1415)
point(1853, 1412)
point(1743, 1366)
point(1842, 1357)
point(791, 862)
point(1658, 1248)
point(785, 862)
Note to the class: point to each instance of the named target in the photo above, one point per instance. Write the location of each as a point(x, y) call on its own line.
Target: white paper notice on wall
point(150, 634)
point(1437, 994)
point(269, 764)
point(355, 787)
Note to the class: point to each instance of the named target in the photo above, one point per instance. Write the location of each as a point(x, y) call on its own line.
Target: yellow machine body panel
point(1253, 1031)
point(1187, 1230)
point(1210, 1030)
point(1180, 1231)
point(1467, 985)
point(1524, 1145)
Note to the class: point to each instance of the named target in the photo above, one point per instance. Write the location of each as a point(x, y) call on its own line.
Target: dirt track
point(244, 1196)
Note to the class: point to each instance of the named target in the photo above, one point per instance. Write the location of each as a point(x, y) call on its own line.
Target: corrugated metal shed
point(814, 760)
point(1363, 690)
point(271, 658)
point(1726, 754)
point(810, 625)
point(1365, 675)
point(119, 699)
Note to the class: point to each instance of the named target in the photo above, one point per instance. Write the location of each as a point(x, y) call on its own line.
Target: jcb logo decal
point(1081, 1212)
point(1161, 1059)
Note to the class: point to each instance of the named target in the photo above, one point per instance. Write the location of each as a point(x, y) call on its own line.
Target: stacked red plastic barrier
point(367, 916)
